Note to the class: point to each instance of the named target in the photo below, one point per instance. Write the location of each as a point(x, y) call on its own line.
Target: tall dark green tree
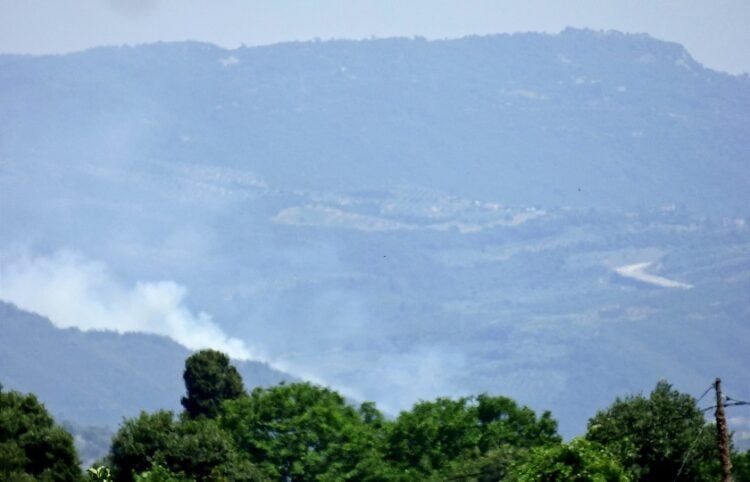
point(32, 446)
point(659, 437)
point(209, 380)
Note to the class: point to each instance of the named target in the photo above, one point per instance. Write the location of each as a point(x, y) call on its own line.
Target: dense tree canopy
point(741, 466)
point(209, 380)
point(578, 461)
point(652, 436)
point(433, 434)
point(32, 447)
point(140, 442)
point(304, 432)
point(156, 444)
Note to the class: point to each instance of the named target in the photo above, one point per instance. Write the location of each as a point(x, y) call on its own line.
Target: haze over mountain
point(557, 218)
point(91, 381)
point(99, 377)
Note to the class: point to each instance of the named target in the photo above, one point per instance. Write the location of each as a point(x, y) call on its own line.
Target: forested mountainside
point(522, 119)
point(561, 219)
point(96, 378)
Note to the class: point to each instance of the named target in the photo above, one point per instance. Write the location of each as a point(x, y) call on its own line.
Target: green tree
point(654, 436)
point(503, 422)
point(203, 451)
point(32, 446)
point(496, 464)
point(741, 466)
point(158, 473)
point(209, 380)
point(156, 445)
point(304, 432)
point(446, 433)
point(578, 461)
point(140, 442)
point(424, 439)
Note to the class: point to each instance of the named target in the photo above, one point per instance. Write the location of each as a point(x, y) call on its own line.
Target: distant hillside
point(562, 219)
point(479, 116)
point(97, 378)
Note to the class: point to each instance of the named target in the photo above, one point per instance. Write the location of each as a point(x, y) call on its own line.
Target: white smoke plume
point(73, 291)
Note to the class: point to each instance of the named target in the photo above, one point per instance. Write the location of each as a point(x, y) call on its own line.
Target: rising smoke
point(73, 291)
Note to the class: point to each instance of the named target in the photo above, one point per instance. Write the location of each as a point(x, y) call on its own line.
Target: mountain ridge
point(314, 71)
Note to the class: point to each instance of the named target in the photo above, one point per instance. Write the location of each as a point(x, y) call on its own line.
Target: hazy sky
point(715, 32)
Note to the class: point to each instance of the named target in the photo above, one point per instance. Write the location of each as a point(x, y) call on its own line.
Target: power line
point(696, 439)
point(689, 450)
point(705, 392)
point(732, 403)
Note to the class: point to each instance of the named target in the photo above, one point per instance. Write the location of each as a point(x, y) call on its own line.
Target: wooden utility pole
point(722, 435)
